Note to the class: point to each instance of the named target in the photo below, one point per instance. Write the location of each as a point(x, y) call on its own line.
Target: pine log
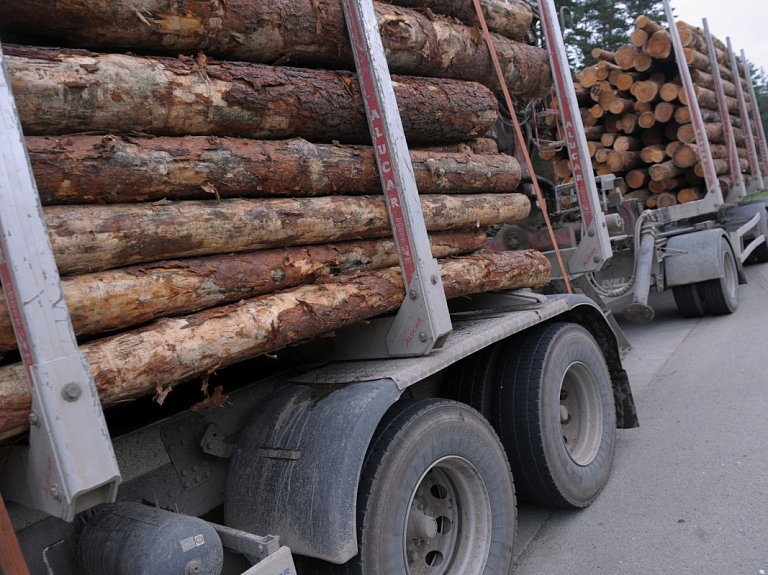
point(641, 107)
point(664, 111)
point(668, 185)
point(706, 80)
point(645, 23)
point(92, 238)
point(170, 97)
point(672, 147)
point(659, 45)
point(666, 199)
point(123, 298)
point(625, 80)
point(594, 132)
point(713, 131)
point(479, 146)
point(664, 171)
point(623, 161)
point(625, 56)
point(647, 90)
point(604, 55)
point(722, 167)
point(173, 350)
point(686, 156)
point(636, 178)
point(669, 91)
point(638, 37)
point(646, 120)
point(588, 76)
point(263, 32)
point(510, 18)
point(654, 154)
point(642, 62)
point(628, 123)
point(113, 169)
point(686, 195)
point(627, 143)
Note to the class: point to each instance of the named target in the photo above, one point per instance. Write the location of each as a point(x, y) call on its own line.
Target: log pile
point(638, 123)
point(203, 211)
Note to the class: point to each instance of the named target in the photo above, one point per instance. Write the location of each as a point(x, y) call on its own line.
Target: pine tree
point(760, 81)
point(602, 23)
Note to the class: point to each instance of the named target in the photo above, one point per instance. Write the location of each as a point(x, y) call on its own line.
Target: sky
point(745, 21)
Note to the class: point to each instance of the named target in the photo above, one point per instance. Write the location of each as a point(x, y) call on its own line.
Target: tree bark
point(92, 238)
point(65, 91)
point(271, 33)
point(174, 350)
point(118, 299)
point(510, 18)
point(115, 169)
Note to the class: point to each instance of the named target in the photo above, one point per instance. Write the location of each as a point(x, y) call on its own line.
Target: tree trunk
point(93, 238)
point(664, 171)
point(511, 18)
point(624, 161)
point(173, 350)
point(654, 154)
point(114, 169)
point(65, 91)
point(118, 299)
point(271, 33)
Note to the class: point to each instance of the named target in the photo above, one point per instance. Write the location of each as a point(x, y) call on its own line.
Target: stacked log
point(203, 211)
point(639, 122)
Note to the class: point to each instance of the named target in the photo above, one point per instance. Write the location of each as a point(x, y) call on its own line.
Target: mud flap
point(295, 470)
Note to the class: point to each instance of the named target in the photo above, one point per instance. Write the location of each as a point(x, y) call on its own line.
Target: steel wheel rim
point(449, 521)
point(581, 414)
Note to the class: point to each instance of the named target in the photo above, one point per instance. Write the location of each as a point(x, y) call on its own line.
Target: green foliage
point(760, 80)
point(602, 23)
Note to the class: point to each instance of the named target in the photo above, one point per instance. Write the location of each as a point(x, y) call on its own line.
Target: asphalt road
point(689, 489)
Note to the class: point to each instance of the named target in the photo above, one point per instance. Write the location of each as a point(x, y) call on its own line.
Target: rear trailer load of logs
point(669, 126)
point(638, 119)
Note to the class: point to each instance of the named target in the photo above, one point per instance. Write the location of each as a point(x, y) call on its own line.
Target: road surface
point(689, 490)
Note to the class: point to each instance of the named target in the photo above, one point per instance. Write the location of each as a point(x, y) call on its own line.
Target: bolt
point(591, 233)
point(184, 472)
point(209, 445)
point(193, 567)
point(433, 279)
point(208, 473)
point(187, 483)
point(423, 337)
point(55, 493)
point(71, 392)
point(596, 259)
point(198, 478)
point(413, 294)
point(33, 419)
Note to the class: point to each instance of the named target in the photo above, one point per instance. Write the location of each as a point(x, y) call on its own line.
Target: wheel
point(435, 496)
point(689, 301)
point(721, 295)
point(473, 380)
point(557, 418)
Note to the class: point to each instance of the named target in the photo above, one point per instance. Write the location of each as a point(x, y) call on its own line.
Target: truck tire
point(721, 295)
point(473, 380)
point(435, 496)
point(557, 417)
point(689, 301)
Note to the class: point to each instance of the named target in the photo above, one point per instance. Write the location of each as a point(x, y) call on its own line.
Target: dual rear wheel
point(436, 495)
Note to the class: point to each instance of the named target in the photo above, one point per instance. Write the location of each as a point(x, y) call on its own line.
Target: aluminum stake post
point(69, 465)
point(760, 132)
point(756, 184)
point(423, 322)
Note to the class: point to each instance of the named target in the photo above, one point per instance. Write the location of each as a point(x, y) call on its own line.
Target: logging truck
point(340, 415)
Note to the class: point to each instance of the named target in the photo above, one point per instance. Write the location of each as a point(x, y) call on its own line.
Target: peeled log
point(173, 350)
point(93, 238)
point(65, 91)
point(115, 169)
point(118, 299)
point(303, 33)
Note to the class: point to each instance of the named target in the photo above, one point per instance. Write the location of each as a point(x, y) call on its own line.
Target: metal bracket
point(739, 190)
point(69, 465)
point(595, 247)
point(713, 200)
point(423, 322)
point(761, 142)
point(754, 164)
